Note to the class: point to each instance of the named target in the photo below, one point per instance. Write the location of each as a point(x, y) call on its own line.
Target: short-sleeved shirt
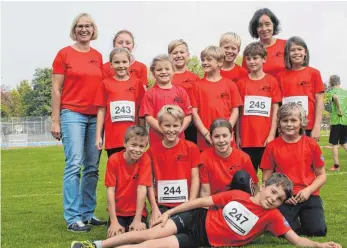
point(254, 129)
point(235, 220)
point(112, 94)
point(175, 163)
point(306, 82)
point(185, 80)
point(219, 172)
point(274, 59)
point(126, 178)
point(342, 96)
point(137, 69)
point(82, 76)
point(296, 160)
point(155, 98)
point(214, 100)
point(234, 74)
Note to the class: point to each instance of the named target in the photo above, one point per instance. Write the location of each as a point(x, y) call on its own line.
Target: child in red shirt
point(221, 162)
point(230, 43)
point(300, 158)
point(234, 218)
point(125, 39)
point(175, 164)
point(302, 84)
point(261, 95)
point(179, 54)
point(118, 99)
point(213, 96)
point(161, 94)
point(128, 174)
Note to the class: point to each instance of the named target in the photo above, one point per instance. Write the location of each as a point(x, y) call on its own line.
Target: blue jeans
point(81, 165)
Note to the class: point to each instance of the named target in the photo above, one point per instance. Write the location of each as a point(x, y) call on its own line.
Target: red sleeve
point(106, 70)
point(244, 65)
point(194, 96)
point(100, 97)
point(248, 166)
point(59, 64)
point(276, 94)
point(204, 172)
point(236, 100)
point(220, 199)
point(111, 175)
point(141, 93)
point(267, 162)
point(147, 107)
point(143, 76)
point(146, 171)
point(186, 102)
point(278, 225)
point(318, 82)
point(318, 158)
point(195, 153)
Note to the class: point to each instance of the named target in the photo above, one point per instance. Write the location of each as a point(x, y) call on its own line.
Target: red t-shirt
point(137, 69)
point(174, 163)
point(254, 129)
point(155, 98)
point(82, 77)
point(234, 74)
point(306, 82)
point(185, 80)
point(112, 91)
point(214, 100)
point(295, 160)
point(126, 178)
point(219, 171)
point(274, 60)
point(235, 203)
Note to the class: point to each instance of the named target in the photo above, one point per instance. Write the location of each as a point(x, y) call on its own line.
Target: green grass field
point(32, 208)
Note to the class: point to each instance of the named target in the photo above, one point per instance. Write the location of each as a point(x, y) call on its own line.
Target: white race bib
point(172, 191)
point(239, 218)
point(122, 111)
point(257, 105)
point(300, 100)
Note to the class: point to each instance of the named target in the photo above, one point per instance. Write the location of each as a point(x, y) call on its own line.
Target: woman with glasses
point(76, 77)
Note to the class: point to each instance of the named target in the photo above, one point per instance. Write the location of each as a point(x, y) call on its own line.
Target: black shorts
point(338, 134)
point(256, 153)
point(191, 133)
point(113, 151)
point(125, 221)
point(191, 231)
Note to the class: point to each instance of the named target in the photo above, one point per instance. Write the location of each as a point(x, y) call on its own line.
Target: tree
point(194, 65)
point(238, 60)
point(5, 102)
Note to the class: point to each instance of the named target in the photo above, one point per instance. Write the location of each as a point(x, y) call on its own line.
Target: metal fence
point(26, 131)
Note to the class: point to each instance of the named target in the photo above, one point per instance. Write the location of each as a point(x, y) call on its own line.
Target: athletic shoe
point(82, 244)
point(78, 227)
point(335, 168)
point(95, 222)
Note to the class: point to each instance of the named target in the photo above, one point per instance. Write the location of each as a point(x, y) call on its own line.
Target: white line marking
point(33, 195)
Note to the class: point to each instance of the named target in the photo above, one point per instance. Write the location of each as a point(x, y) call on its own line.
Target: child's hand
point(269, 139)
point(302, 195)
point(98, 143)
point(115, 229)
point(163, 219)
point(55, 130)
point(330, 245)
point(339, 113)
point(137, 226)
point(315, 134)
point(208, 138)
point(154, 216)
point(291, 201)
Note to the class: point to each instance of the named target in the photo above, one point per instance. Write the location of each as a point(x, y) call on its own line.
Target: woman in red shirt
point(76, 77)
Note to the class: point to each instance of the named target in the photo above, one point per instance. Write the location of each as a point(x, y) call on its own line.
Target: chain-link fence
point(26, 131)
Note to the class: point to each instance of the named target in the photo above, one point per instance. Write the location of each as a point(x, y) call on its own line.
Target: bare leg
point(335, 151)
point(136, 237)
point(168, 242)
point(345, 146)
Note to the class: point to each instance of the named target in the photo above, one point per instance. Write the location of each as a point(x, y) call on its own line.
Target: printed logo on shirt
point(177, 100)
point(224, 95)
point(266, 89)
point(304, 84)
point(181, 157)
point(131, 89)
point(279, 54)
point(94, 62)
point(136, 176)
point(285, 222)
point(234, 167)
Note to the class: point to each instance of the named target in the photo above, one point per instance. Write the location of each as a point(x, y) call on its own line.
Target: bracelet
point(206, 134)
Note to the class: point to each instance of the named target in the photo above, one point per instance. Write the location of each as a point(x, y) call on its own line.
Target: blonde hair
point(175, 111)
point(230, 37)
point(287, 110)
point(120, 50)
point(213, 52)
point(124, 31)
point(134, 131)
point(175, 43)
point(74, 24)
point(160, 58)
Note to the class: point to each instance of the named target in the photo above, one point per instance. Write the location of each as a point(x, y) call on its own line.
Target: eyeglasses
point(87, 26)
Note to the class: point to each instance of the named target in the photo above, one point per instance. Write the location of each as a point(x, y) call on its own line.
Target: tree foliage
point(194, 65)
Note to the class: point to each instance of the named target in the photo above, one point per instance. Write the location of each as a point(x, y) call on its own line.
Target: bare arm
point(115, 228)
point(137, 224)
point(267, 174)
point(195, 184)
point(57, 87)
point(155, 209)
point(200, 126)
point(237, 130)
point(205, 190)
point(196, 203)
point(318, 116)
point(153, 123)
point(234, 116)
point(337, 103)
point(100, 119)
point(186, 121)
point(296, 240)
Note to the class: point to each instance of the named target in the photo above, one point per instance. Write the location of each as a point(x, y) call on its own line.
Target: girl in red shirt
point(118, 100)
point(302, 84)
point(125, 39)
